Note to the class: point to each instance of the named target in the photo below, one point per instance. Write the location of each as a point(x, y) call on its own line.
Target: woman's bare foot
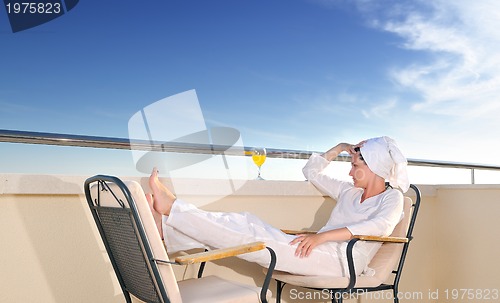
point(163, 197)
point(156, 215)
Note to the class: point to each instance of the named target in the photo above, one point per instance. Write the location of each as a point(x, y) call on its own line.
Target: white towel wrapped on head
point(385, 159)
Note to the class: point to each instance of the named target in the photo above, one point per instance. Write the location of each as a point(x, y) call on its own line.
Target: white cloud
point(459, 72)
point(462, 78)
point(453, 81)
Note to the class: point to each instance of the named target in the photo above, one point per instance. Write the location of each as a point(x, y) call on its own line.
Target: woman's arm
point(314, 168)
point(308, 242)
point(313, 173)
point(334, 152)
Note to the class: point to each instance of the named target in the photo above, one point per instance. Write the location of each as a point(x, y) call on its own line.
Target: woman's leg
point(186, 223)
point(163, 197)
point(156, 216)
point(222, 229)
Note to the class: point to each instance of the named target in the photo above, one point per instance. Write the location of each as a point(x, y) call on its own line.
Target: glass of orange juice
point(259, 157)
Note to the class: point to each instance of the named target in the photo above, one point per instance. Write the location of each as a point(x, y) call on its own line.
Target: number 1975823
point(33, 8)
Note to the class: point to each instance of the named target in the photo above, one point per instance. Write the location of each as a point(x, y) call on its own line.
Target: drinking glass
point(259, 157)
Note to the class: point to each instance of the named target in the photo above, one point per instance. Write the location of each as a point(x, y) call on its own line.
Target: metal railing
point(26, 137)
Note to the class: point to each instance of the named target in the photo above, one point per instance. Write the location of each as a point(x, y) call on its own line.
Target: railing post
point(472, 178)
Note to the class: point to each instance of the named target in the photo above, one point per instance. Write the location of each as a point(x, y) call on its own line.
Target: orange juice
point(258, 159)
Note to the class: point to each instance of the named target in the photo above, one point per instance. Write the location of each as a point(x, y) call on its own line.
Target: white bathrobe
point(189, 227)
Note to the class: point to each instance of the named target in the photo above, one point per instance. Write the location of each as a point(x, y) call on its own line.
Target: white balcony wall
point(51, 251)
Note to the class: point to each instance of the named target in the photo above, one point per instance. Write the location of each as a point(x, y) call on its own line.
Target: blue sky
point(294, 74)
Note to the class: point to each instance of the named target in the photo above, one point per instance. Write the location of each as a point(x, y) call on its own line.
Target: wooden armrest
point(298, 232)
point(382, 239)
point(220, 253)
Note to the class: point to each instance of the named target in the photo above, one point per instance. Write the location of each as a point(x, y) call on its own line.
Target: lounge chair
point(140, 261)
point(389, 260)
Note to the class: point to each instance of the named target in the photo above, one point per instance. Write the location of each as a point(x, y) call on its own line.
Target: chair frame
point(140, 233)
point(337, 294)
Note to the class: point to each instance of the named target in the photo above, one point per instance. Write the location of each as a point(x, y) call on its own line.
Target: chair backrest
point(128, 230)
point(390, 257)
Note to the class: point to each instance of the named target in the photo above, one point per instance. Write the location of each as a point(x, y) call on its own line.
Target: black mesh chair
point(140, 261)
point(388, 261)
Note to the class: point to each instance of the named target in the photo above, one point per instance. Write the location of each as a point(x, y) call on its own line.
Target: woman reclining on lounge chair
point(364, 207)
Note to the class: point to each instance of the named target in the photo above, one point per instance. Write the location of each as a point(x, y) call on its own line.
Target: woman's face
point(360, 172)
